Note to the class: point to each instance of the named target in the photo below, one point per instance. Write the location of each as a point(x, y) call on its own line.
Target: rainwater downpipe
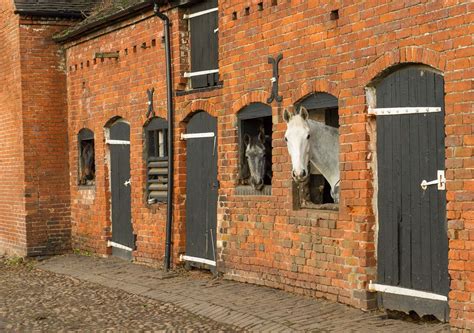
point(169, 96)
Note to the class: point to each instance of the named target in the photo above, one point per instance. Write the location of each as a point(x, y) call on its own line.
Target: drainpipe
point(169, 96)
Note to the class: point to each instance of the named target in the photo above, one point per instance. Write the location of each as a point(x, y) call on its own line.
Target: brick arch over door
point(314, 87)
point(193, 107)
point(112, 120)
point(257, 96)
point(404, 55)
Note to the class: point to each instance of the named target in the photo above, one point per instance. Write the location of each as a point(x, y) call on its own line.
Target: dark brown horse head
point(87, 162)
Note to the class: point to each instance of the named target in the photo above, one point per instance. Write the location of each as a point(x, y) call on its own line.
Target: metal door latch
point(440, 181)
point(127, 182)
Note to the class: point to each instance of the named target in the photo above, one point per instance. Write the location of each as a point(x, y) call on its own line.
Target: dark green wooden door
point(201, 189)
point(123, 241)
point(412, 239)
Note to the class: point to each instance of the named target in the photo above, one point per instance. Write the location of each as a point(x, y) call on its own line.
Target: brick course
point(34, 170)
point(262, 239)
point(12, 207)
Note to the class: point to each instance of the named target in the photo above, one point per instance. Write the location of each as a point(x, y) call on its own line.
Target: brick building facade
point(34, 199)
point(339, 49)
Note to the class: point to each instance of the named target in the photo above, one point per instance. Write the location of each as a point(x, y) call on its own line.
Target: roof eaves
point(98, 24)
point(46, 13)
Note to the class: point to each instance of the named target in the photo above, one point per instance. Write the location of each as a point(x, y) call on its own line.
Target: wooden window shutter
point(204, 44)
point(156, 132)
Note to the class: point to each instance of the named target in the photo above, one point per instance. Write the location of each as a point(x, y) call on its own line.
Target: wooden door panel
point(201, 189)
point(122, 231)
point(412, 239)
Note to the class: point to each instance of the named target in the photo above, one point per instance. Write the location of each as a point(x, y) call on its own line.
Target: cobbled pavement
point(84, 294)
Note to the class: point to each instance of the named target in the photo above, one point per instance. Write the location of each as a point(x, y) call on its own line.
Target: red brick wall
point(341, 57)
point(34, 199)
point(262, 239)
point(12, 206)
point(43, 78)
point(98, 91)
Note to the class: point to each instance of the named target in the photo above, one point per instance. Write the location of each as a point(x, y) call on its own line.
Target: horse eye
point(308, 137)
point(286, 139)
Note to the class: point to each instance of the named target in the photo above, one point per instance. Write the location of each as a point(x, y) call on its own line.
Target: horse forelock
point(255, 145)
point(297, 121)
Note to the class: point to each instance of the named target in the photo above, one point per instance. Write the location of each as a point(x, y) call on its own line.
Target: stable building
point(393, 78)
point(34, 171)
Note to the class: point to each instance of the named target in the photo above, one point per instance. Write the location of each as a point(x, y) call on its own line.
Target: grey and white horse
point(257, 160)
point(312, 144)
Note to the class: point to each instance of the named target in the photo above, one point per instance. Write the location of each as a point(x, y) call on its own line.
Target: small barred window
point(156, 132)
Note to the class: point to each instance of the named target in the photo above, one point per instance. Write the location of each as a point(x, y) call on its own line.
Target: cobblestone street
point(35, 300)
point(80, 293)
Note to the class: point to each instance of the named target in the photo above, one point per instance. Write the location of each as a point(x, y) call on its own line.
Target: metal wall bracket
point(151, 111)
point(274, 79)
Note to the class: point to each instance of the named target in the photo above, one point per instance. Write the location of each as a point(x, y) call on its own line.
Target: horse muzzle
point(257, 185)
point(300, 177)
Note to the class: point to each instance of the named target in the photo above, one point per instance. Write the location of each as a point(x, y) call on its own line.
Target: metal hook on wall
point(151, 111)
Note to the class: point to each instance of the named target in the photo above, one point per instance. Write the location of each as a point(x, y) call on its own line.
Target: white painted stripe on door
point(202, 12)
point(197, 135)
point(399, 111)
point(210, 71)
point(405, 291)
point(117, 142)
point(119, 246)
point(200, 260)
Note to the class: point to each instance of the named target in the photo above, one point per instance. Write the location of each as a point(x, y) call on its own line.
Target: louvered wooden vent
point(157, 178)
point(157, 160)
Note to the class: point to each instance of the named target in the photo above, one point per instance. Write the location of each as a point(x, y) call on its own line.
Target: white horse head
point(311, 142)
point(297, 137)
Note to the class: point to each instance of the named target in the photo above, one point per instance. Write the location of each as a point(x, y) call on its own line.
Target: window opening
point(255, 147)
point(86, 167)
point(203, 26)
point(156, 132)
point(321, 107)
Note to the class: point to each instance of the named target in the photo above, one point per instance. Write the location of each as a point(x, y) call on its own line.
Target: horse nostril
point(293, 173)
point(303, 174)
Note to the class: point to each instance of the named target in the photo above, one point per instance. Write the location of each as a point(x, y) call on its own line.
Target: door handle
point(440, 181)
point(127, 182)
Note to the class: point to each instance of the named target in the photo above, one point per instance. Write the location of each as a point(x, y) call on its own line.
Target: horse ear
point(246, 139)
point(287, 115)
point(304, 113)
